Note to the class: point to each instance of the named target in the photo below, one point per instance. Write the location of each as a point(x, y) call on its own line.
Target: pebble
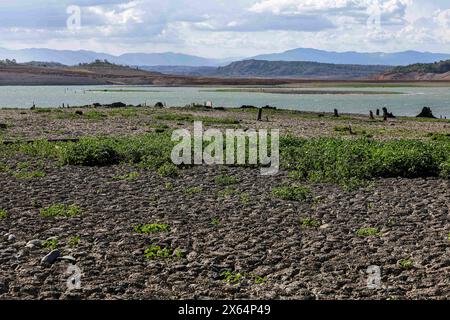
point(32, 244)
point(68, 259)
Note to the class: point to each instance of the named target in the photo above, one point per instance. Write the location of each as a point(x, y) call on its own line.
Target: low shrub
point(223, 180)
point(61, 210)
point(151, 228)
point(3, 214)
point(293, 192)
point(350, 161)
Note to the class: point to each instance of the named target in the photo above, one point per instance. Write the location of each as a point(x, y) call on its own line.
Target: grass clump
point(223, 180)
point(168, 170)
point(157, 252)
point(406, 264)
point(27, 175)
point(194, 190)
point(233, 278)
point(245, 198)
point(74, 241)
point(50, 244)
point(292, 193)
point(132, 176)
point(228, 192)
point(216, 222)
point(61, 210)
point(151, 228)
point(310, 223)
point(368, 232)
point(3, 214)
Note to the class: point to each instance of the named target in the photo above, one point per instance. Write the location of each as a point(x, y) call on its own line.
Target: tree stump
point(426, 113)
point(260, 114)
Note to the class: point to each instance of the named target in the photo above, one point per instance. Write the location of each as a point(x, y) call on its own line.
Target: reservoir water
point(402, 101)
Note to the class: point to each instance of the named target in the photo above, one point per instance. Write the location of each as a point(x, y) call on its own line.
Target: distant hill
point(419, 71)
point(376, 58)
point(280, 69)
point(68, 57)
point(106, 73)
point(183, 70)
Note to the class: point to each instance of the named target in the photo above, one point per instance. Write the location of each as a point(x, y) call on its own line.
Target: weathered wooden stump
point(260, 114)
point(426, 113)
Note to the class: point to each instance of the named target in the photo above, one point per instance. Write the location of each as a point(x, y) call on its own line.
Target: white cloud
point(229, 28)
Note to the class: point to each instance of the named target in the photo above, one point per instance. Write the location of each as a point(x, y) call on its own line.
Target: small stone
point(51, 257)
point(32, 244)
point(11, 237)
point(68, 259)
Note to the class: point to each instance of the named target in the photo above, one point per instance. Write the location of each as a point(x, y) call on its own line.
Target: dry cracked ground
point(231, 242)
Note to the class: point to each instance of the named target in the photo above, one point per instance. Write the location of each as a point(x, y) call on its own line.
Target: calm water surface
point(409, 103)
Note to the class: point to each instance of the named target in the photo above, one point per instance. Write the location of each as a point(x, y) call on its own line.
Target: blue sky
point(233, 28)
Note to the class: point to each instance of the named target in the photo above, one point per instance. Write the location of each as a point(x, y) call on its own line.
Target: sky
point(226, 28)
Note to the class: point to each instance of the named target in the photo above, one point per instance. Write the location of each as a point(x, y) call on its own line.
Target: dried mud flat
point(240, 229)
point(261, 237)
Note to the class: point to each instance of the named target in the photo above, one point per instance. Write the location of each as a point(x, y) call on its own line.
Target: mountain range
point(69, 57)
point(376, 58)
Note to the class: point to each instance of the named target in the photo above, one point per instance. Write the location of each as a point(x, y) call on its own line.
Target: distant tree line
point(8, 62)
point(437, 67)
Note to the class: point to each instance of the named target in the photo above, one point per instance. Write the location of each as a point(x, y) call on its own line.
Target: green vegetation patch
point(61, 210)
point(292, 192)
point(3, 214)
point(50, 244)
point(74, 241)
point(132, 176)
point(157, 252)
point(348, 162)
point(191, 118)
point(234, 278)
point(168, 170)
point(406, 264)
point(152, 228)
point(368, 232)
point(310, 223)
point(194, 190)
point(224, 180)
